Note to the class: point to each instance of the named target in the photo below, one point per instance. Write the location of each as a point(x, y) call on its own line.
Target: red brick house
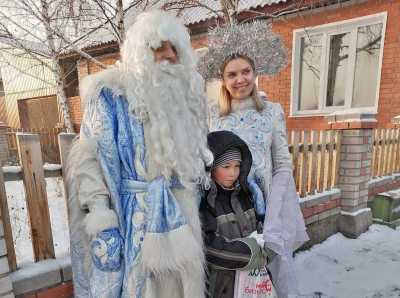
point(369, 78)
point(343, 58)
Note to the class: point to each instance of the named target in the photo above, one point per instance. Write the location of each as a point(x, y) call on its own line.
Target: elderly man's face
point(166, 52)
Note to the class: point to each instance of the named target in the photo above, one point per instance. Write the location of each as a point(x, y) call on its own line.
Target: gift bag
point(254, 284)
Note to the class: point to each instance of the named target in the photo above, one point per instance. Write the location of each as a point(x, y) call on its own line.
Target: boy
point(228, 216)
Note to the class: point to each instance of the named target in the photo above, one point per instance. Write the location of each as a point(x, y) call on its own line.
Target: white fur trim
point(86, 145)
point(100, 220)
point(193, 281)
point(91, 85)
point(176, 252)
point(169, 251)
point(70, 171)
point(149, 30)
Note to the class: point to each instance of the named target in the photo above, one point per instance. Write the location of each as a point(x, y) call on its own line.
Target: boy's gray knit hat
point(228, 155)
point(221, 141)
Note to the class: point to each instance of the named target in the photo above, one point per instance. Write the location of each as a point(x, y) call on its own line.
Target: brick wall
point(199, 41)
point(63, 290)
point(85, 68)
point(278, 87)
point(75, 110)
point(382, 184)
point(321, 213)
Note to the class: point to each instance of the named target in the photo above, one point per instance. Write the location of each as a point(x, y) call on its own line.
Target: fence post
point(5, 225)
point(7, 254)
point(30, 157)
point(354, 171)
point(64, 142)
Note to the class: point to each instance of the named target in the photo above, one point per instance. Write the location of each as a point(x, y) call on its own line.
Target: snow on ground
point(20, 220)
point(12, 169)
point(367, 267)
point(51, 166)
point(32, 269)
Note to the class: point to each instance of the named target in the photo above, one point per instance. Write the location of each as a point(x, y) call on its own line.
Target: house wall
point(86, 68)
point(23, 77)
point(39, 112)
point(278, 87)
point(75, 111)
point(3, 110)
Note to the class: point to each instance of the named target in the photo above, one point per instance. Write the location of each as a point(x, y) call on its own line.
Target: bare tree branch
point(109, 20)
point(181, 5)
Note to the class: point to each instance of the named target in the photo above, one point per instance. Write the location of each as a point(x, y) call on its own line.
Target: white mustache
point(169, 68)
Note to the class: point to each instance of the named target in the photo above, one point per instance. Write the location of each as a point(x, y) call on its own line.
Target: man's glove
point(107, 249)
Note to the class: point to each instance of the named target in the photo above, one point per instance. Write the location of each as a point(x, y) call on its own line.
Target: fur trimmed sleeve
point(92, 191)
point(281, 159)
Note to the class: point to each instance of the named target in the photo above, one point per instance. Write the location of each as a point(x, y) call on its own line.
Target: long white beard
point(173, 104)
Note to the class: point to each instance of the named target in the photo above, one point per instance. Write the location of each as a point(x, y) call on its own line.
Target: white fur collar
point(110, 78)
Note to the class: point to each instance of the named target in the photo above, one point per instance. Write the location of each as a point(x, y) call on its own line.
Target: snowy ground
point(367, 267)
point(20, 221)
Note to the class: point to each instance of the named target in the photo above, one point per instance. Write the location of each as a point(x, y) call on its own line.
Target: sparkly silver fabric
point(254, 40)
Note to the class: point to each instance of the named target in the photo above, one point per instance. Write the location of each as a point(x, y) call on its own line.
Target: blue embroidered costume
point(134, 232)
point(139, 216)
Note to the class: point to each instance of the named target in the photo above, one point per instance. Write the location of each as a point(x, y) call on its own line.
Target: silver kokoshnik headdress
point(254, 40)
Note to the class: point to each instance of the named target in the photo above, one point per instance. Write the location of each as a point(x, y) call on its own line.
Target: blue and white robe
point(161, 251)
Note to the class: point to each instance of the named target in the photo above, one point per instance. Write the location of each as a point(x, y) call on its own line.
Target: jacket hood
point(220, 141)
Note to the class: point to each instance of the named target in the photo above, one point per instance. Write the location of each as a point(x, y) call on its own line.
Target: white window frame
point(349, 26)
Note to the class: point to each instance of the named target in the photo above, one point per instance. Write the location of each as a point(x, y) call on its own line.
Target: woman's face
point(227, 174)
point(239, 78)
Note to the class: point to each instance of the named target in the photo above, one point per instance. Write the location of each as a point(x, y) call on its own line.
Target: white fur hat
point(147, 32)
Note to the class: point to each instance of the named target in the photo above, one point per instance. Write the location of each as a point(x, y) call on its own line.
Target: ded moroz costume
point(132, 175)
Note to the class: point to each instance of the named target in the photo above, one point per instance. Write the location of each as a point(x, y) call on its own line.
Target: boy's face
point(227, 174)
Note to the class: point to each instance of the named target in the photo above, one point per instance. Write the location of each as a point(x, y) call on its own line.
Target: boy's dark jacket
point(228, 217)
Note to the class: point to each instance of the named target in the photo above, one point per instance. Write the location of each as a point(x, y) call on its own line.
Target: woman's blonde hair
point(225, 99)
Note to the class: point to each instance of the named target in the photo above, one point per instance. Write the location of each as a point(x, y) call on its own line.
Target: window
point(337, 66)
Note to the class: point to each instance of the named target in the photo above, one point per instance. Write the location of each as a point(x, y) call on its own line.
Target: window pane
point(337, 72)
point(367, 65)
point(310, 72)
